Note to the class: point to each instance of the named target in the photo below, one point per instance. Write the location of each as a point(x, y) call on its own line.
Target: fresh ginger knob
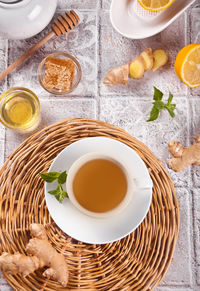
point(40, 254)
point(183, 157)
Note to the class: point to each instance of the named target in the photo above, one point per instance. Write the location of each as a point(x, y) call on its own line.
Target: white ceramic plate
point(133, 21)
point(101, 230)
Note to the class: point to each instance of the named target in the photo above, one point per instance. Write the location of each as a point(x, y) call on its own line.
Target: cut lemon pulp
point(187, 65)
point(155, 5)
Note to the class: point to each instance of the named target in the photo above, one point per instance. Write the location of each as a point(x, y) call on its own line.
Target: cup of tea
point(99, 185)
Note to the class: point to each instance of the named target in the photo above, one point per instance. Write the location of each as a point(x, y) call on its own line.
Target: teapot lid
point(20, 19)
point(10, 1)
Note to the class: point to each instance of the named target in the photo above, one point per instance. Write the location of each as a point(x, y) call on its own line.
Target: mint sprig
point(59, 193)
point(49, 177)
point(159, 105)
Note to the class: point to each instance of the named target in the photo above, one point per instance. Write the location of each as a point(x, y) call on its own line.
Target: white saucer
point(101, 230)
point(132, 21)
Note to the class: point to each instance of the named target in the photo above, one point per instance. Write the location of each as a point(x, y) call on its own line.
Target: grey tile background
point(98, 48)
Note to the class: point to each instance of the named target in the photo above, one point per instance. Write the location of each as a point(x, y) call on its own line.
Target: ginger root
point(146, 61)
point(183, 157)
point(160, 59)
point(18, 263)
point(136, 68)
point(40, 253)
point(118, 75)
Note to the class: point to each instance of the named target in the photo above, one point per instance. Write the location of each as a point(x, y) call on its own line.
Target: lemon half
point(187, 65)
point(155, 5)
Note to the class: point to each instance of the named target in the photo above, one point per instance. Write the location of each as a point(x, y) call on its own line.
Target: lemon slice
point(187, 65)
point(155, 5)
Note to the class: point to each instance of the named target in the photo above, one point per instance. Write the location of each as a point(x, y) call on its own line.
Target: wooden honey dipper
point(64, 23)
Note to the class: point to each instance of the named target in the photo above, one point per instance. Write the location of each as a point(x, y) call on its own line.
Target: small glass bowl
point(8, 103)
point(60, 55)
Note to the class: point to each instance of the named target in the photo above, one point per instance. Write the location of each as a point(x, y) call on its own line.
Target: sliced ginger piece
point(146, 61)
point(136, 68)
point(147, 57)
point(118, 75)
point(160, 59)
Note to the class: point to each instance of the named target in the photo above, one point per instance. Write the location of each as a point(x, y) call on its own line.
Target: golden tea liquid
point(19, 108)
point(100, 185)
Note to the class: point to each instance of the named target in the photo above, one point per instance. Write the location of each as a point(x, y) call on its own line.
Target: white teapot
point(20, 19)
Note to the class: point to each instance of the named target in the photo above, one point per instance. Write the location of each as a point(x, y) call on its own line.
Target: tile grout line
point(193, 240)
point(192, 247)
point(98, 35)
point(192, 210)
point(193, 261)
point(67, 98)
point(186, 40)
point(193, 257)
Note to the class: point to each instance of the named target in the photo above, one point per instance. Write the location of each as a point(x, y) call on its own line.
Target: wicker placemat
point(137, 262)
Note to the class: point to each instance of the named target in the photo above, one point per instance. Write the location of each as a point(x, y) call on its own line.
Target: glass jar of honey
point(19, 109)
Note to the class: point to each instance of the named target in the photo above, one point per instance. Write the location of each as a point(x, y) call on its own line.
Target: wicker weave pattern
point(137, 262)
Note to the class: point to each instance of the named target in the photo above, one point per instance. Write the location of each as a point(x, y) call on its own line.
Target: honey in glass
point(19, 109)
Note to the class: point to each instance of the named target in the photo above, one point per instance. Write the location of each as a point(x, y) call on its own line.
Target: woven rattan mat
point(137, 262)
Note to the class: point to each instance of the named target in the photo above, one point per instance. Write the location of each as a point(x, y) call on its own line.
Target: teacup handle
point(143, 184)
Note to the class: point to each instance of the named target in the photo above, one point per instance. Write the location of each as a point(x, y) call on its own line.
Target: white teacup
point(93, 156)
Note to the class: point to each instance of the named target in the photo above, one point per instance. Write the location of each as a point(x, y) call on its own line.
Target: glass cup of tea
point(99, 185)
point(19, 109)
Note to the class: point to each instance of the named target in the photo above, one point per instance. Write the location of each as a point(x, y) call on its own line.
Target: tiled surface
point(54, 110)
point(196, 202)
point(3, 60)
point(131, 113)
point(98, 48)
point(195, 129)
point(89, 4)
point(194, 34)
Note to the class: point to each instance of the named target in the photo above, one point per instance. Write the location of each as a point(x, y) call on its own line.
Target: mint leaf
point(59, 193)
point(62, 178)
point(157, 94)
point(54, 192)
point(153, 114)
point(49, 177)
point(170, 107)
point(171, 112)
point(170, 98)
point(60, 187)
point(173, 106)
point(59, 198)
point(159, 105)
point(64, 194)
